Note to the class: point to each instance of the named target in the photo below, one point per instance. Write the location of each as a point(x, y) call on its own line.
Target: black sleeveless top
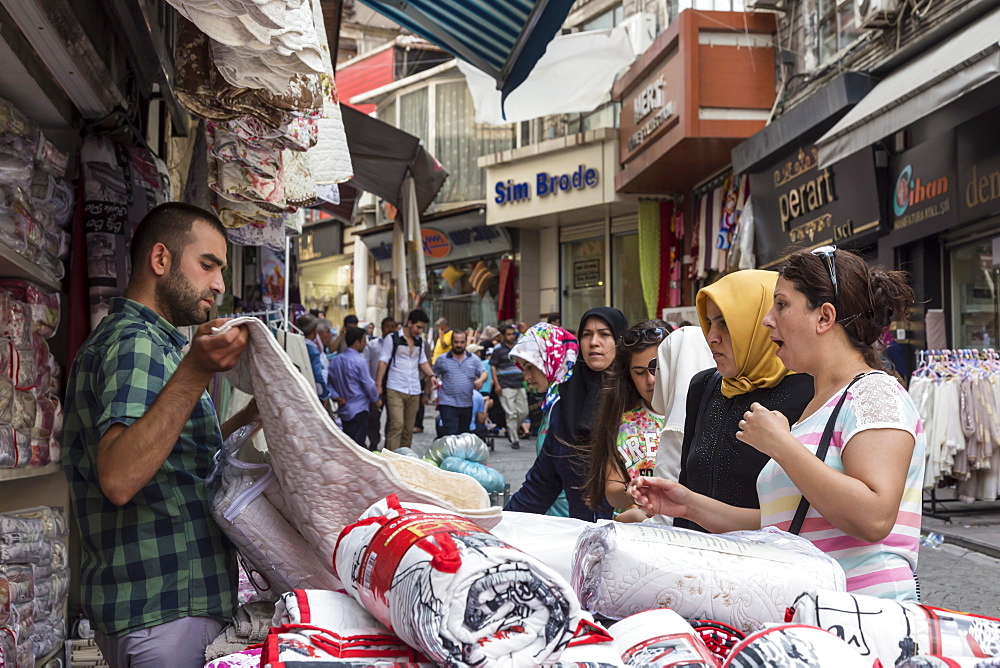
point(713, 461)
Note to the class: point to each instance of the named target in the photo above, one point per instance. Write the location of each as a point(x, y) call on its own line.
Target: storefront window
point(974, 296)
point(583, 276)
point(626, 285)
point(326, 285)
point(452, 294)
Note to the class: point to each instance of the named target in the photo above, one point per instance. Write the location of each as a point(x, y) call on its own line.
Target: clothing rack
point(961, 364)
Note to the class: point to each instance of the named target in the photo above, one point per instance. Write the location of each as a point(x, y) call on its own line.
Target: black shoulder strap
point(392, 358)
point(711, 384)
point(824, 445)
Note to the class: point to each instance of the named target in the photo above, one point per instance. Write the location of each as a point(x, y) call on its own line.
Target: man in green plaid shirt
point(158, 578)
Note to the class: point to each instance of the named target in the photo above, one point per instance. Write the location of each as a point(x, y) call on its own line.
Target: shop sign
point(922, 187)
point(436, 244)
point(978, 168)
point(650, 108)
point(797, 203)
point(546, 185)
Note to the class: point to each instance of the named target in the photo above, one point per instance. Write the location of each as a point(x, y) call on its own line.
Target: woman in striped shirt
point(829, 315)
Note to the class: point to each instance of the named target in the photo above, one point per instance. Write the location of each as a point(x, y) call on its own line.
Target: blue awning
point(504, 38)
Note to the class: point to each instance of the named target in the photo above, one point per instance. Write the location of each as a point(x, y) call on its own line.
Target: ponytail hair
point(868, 298)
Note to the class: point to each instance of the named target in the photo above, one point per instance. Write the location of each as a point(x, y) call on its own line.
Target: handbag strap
point(824, 445)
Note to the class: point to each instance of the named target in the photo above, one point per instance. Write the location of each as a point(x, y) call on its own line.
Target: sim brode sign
point(545, 185)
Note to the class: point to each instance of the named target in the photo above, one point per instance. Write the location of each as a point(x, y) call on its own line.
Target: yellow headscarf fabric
point(744, 298)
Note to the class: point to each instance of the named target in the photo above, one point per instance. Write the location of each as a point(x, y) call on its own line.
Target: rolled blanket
point(456, 592)
point(892, 632)
point(794, 646)
point(745, 579)
point(935, 661)
point(660, 639)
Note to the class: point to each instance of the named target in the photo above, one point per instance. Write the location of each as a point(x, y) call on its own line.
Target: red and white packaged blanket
point(660, 639)
point(897, 631)
point(320, 625)
point(457, 593)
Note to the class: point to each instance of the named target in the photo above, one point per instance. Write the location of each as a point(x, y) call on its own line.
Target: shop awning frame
point(504, 38)
point(965, 62)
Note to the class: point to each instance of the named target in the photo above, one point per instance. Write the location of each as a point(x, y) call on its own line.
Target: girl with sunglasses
point(627, 430)
point(859, 500)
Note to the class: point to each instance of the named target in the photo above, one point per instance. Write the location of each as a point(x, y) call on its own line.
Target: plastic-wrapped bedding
point(43, 305)
point(455, 592)
point(333, 623)
point(937, 661)
point(794, 646)
point(890, 631)
point(270, 545)
point(660, 639)
point(548, 538)
point(464, 446)
point(5, 600)
point(745, 579)
point(21, 540)
point(53, 520)
point(15, 447)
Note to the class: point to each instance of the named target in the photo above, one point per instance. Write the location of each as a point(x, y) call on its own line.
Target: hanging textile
point(121, 184)
point(669, 254)
point(402, 292)
point(957, 394)
point(649, 254)
point(411, 226)
point(677, 263)
point(507, 296)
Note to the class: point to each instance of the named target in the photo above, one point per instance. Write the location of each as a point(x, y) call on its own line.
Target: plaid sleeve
point(132, 376)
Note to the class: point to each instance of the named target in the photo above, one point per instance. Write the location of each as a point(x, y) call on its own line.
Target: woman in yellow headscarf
point(713, 461)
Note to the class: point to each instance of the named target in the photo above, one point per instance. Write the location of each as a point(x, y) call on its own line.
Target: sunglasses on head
point(651, 335)
point(827, 255)
point(649, 368)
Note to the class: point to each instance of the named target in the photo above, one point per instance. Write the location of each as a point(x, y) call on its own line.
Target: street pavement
point(962, 573)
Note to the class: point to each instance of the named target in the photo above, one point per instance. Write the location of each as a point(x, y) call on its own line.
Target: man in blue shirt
point(459, 373)
point(352, 382)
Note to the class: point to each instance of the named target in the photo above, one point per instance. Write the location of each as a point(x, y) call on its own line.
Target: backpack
point(397, 340)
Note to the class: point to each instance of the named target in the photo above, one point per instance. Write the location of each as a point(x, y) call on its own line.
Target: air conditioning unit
point(875, 13)
point(641, 29)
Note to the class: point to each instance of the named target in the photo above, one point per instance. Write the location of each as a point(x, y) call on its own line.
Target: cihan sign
point(545, 185)
point(923, 186)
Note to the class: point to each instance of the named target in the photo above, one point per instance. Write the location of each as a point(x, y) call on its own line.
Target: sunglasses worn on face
point(649, 368)
point(651, 335)
point(827, 255)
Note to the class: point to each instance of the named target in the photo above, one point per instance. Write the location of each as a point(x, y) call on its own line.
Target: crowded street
point(500, 333)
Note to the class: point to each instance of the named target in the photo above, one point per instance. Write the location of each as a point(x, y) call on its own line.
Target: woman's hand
point(658, 496)
point(763, 429)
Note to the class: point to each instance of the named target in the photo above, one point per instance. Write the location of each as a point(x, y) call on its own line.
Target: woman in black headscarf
point(561, 465)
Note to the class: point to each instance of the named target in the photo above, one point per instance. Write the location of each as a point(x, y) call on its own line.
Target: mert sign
point(545, 185)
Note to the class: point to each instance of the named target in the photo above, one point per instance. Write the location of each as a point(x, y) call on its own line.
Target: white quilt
point(548, 538)
point(328, 480)
point(890, 631)
point(745, 579)
point(455, 592)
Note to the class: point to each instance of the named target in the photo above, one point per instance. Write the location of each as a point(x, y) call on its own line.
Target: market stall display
point(794, 646)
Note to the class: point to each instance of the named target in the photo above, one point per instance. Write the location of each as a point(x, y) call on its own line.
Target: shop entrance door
point(583, 276)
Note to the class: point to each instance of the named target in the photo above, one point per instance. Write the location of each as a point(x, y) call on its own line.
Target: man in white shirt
point(403, 358)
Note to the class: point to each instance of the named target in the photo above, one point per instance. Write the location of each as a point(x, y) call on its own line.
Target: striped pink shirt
point(883, 569)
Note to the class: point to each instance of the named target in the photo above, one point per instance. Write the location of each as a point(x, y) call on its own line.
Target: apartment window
point(836, 27)
point(675, 7)
point(608, 19)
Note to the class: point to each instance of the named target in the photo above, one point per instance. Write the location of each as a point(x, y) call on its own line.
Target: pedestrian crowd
point(774, 412)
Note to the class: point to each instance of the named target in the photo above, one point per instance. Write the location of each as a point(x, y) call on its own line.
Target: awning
point(573, 77)
point(965, 62)
point(383, 156)
point(504, 38)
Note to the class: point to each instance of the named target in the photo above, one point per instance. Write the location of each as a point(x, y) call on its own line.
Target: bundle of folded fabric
point(795, 646)
point(250, 626)
point(326, 480)
point(745, 579)
point(330, 625)
point(456, 592)
point(883, 629)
